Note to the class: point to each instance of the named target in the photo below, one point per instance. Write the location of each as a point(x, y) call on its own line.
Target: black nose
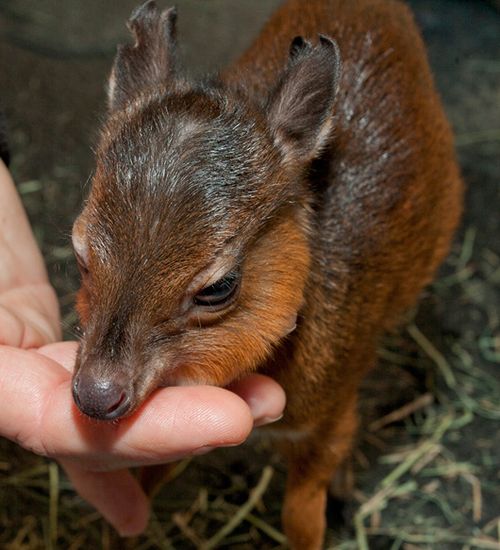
point(104, 399)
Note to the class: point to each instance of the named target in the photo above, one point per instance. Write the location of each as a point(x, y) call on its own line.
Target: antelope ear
point(148, 62)
point(300, 107)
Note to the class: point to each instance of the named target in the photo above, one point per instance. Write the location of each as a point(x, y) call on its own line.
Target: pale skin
point(38, 413)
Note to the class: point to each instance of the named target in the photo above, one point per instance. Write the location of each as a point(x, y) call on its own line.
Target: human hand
point(29, 312)
point(37, 409)
point(37, 412)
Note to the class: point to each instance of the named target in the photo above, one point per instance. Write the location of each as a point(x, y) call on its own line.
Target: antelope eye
point(220, 293)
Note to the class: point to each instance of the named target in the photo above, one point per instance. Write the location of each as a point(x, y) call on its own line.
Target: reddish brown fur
point(348, 248)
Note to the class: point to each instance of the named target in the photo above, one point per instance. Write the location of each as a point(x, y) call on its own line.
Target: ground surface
point(424, 480)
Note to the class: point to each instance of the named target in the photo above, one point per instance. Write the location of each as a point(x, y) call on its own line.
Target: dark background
point(54, 61)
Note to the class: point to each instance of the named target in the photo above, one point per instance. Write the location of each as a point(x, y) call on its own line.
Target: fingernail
point(266, 420)
point(258, 409)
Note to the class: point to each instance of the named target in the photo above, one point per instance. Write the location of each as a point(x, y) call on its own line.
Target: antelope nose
point(103, 399)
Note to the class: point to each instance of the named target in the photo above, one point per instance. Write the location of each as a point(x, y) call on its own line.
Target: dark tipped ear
point(298, 46)
point(150, 61)
point(300, 108)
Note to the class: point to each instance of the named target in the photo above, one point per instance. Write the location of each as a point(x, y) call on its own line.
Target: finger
point(27, 380)
point(21, 257)
point(13, 329)
point(37, 411)
point(264, 396)
point(25, 316)
point(117, 495)
point(63, 353)
point(174, 422)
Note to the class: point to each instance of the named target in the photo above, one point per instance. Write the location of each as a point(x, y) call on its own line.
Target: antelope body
point(276, 218)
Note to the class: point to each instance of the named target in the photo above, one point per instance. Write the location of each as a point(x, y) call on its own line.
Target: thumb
point(116, 495)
